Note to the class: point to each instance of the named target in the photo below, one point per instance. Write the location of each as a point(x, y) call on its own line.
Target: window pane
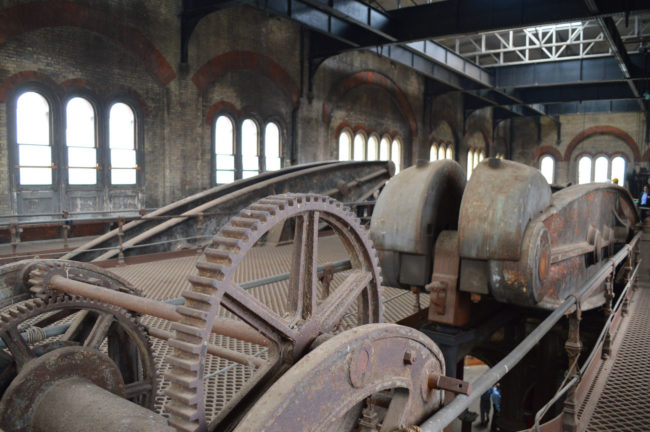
point(32, 119)
point(250, 163)
point(34, 155)
point(82, 176)
point(223, 136)
point(384, 146)
point(249, 138)
point(584, 170)
point(225, 162)
point(476, 159)
point(470, 163)
point(123, 158)
point(121, 127)
point(247, 174)
point(35, 176)
point(81, 157)
point(359, 147)
point(450, 153)
point(433, 153)
point(600, 171)
point(224, 177)
point(123, 176)
point(618, 170)
point(373, 148)
point(396, 155)
point(273, 164)
point(80, 123)
point(441, 152)
point(547, 167)
point(344, 146)
point(272, 142)
point(481, 156)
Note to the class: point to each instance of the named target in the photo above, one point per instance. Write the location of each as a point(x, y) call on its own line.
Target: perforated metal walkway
point(624, 403)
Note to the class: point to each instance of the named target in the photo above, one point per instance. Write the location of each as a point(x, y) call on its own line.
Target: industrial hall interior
point(324, 215)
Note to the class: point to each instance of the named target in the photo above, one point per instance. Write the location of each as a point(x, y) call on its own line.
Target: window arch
point(224, 149)
point(373, 148)
point(470, 163)
point(601, 168)
point(359, 147)
point(396, 154)
point(272, 160)
point(345, 146)
point(121, 143)
point(250, 149)
point(449, 154)
point(547, 168)
point(81, 142)
point(433, 153)
point(584, 170)
point(33, 139)
point(618, 169)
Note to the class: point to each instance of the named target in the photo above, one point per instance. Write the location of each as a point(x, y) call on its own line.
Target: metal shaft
point(222, 326)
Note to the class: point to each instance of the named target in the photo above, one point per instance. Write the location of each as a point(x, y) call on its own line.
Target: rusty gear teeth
point(218, 263)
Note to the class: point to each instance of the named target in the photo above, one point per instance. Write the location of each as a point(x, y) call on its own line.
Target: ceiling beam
point(594, 107)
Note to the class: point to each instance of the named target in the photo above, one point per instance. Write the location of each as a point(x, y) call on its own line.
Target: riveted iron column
point(609, 296)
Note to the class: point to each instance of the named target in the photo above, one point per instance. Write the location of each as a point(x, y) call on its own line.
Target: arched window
point(384, 149)
point(547, 167)
point(272, 147)
point(441, 152)
point(224, 149)
point(601, 167)
point(345, 146)
point(584, 170)
point(470, 163)
point(618, 169)
point(481, 156)
point(373, 148)
point(249, 149)
point(359, 147)
point(80, 141)
point(121, 142)
point(433, 153)
point(396, 154)
point(449, 154)
point(477, 158)
point(33, 139)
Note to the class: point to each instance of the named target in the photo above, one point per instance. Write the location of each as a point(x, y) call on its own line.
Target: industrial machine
point(76, 352)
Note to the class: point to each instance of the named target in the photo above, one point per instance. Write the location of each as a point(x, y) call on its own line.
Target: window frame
point(541, 159)
point(100, 154)
point(138, 143)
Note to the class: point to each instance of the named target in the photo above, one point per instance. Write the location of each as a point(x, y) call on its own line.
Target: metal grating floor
point(168, 279)
point(624, 404)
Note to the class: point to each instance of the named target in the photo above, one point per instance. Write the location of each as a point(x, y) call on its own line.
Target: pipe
point(222, 326)
point(461, 402)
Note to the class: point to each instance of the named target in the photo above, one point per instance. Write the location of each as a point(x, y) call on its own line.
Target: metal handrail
point(461, 402)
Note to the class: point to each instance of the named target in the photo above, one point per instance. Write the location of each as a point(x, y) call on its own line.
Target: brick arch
point(219, 107)
point(646, 156)
point(33, 16)
point(247, 61)
point(486, 137)
point(541, 151)
point(23, 77)
point(603, 130)
point(371, 78)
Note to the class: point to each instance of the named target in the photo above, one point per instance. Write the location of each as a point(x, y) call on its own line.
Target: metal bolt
point(409, 357)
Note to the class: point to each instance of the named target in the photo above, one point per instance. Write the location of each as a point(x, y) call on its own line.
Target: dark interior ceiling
point(521, 57)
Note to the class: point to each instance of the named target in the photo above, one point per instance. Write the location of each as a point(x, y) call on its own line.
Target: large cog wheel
point(91, 325)
point(308, 316)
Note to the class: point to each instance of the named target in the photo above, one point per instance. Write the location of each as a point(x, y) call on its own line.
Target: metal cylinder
point(77, 405)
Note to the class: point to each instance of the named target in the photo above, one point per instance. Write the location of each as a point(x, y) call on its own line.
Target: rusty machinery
point(324, 362)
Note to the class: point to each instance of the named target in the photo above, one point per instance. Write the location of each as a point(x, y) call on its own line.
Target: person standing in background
point(496, 404)
point(485, 407)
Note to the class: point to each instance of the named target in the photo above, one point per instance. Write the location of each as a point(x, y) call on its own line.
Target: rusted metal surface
point(328, 388)
point(163, 229)
point(102, 342)
point(534, 248)
point(448, 304)
point(290, 336)
point(410, 213)
point(90, 407)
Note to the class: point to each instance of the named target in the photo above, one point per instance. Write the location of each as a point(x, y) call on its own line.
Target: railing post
point(15, 230)
point(120, 235)
point(573, 347)
point(65, 227)
point(609, 296)
point(199, 229)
